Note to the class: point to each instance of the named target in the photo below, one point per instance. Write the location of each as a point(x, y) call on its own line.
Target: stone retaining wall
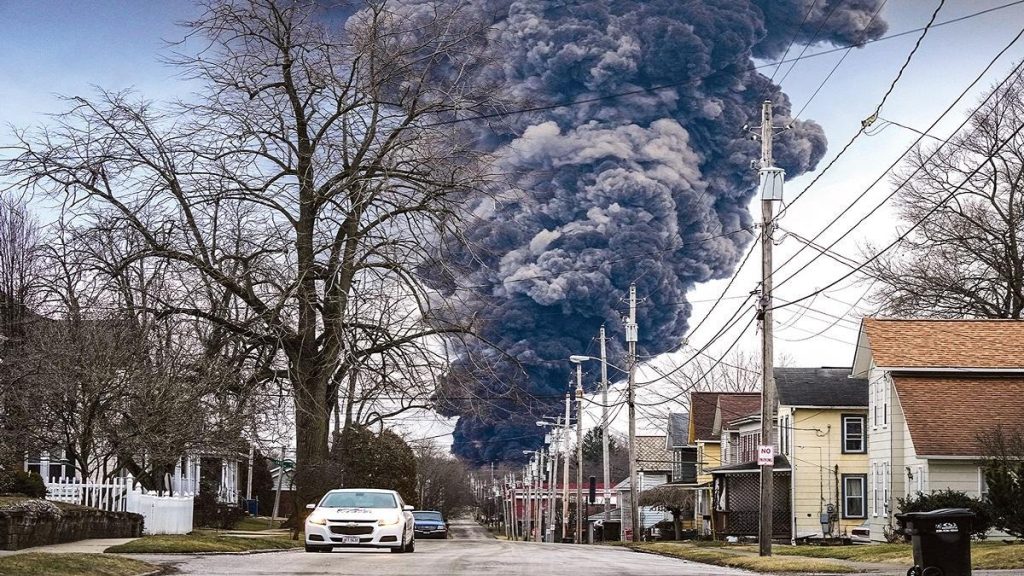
point(24, 528)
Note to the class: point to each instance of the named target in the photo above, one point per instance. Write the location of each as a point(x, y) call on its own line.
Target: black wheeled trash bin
point(942, 541)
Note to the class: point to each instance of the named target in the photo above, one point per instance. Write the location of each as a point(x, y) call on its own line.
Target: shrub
point(947, 499)
point(40, 507)
point(20, 482)
point(208, 513)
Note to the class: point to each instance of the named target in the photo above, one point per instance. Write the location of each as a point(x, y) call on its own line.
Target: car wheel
point(412, 546)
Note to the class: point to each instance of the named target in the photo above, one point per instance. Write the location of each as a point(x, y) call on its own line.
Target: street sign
point(765, 455)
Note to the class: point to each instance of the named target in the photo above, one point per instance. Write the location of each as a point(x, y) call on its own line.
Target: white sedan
point(360, 518)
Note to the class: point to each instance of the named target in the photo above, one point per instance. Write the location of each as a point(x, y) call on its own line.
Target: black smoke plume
point(652, 187)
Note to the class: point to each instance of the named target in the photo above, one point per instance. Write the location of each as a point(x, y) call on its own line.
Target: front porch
point(736, 497)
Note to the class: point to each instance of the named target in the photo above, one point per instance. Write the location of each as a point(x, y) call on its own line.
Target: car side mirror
point(408, 508)
point(310, 506)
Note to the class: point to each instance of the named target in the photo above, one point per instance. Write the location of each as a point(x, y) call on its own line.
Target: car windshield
point(359, 500)
point(428, 516)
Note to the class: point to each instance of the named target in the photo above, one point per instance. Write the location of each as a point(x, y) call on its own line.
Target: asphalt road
point(471, 551)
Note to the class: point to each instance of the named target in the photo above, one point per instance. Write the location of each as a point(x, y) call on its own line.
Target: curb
point(242, 553)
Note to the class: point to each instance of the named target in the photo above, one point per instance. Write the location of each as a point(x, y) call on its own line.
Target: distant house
point(736, 494)
point(706, 444)
point(684, 455)
point(935, 388)
point(654, 465)
point(821, 458)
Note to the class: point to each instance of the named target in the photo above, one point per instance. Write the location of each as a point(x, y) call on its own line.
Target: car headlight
point(389, 521)
point(317, 519)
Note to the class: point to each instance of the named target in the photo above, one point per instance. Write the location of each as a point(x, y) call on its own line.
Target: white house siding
point(959, 475)
point(890, 450)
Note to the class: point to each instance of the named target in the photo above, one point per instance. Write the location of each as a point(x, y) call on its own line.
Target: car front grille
point(352, 530)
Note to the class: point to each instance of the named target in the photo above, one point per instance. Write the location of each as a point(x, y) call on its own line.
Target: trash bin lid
point(937, 514)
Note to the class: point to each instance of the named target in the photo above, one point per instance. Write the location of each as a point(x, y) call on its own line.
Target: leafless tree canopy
point(965, 258)
point(289, 205)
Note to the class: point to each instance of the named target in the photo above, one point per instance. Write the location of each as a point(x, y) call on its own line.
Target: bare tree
point(112, 383)
point(737, 371)
point(442, 482)
point(965, 256)
point(313, 159)
point(20, 249)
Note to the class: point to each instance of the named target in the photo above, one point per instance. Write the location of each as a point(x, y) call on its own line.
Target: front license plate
point(350, 539)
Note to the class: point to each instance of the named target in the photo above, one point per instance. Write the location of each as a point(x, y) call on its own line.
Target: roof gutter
point(957, 370)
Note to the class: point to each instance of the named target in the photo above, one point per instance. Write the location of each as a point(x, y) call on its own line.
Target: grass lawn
point(201, 542)
point(256, 523)
point(989, 555)
point(723, 556)
point(890, 553)
point(40, 564)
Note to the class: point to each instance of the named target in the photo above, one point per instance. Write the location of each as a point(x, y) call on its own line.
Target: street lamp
point(634, 508)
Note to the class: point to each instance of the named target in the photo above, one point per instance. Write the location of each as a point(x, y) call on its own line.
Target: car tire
point(412, 546)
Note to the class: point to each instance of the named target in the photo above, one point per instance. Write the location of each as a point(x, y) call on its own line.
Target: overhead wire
point(893, 165)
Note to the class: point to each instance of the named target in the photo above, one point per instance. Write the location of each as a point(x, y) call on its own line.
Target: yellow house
point(822, 424)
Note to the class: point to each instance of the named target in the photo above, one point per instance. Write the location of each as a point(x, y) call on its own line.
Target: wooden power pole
point(771, 179)
point(631, 338)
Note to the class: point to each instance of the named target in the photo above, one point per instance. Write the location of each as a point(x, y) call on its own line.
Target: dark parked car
point(429, 524)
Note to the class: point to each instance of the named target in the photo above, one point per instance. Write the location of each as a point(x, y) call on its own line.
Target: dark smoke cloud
point(641, 188)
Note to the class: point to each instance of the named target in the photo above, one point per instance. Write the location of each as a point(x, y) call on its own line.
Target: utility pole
point(565, 472)
point(579, 454)
point(539, 537)
point(515, 507)
point(528, 510)
point(606, 468)
point(771, 179)
point(280, 481)
point(553, 492)
point(631, 337)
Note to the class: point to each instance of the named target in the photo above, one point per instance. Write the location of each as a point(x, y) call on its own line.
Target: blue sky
point(66, 47)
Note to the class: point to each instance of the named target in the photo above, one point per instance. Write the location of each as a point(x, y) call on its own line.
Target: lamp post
point(634, 508)
point(579, 454)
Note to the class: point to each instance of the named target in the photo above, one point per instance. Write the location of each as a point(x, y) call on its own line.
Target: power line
point(914, 226)
point(881, 176)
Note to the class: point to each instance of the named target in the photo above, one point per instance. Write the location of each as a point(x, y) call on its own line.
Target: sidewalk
point(93, 546)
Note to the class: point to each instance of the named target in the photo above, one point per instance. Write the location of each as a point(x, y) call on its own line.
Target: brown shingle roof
point(702, 415)
point(946, 343)
point(946, 415)
point(735, 406)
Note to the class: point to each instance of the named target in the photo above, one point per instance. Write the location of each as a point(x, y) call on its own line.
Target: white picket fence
point(162, 514)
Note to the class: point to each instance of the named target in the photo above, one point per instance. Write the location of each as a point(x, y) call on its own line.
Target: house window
point(784, 434)
point(50, 465)
point(885, 489)
point(854, 495)
point(982, 485)
point(876, 388)
point(885, 400)
point(876, 498)
point(853, 435)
